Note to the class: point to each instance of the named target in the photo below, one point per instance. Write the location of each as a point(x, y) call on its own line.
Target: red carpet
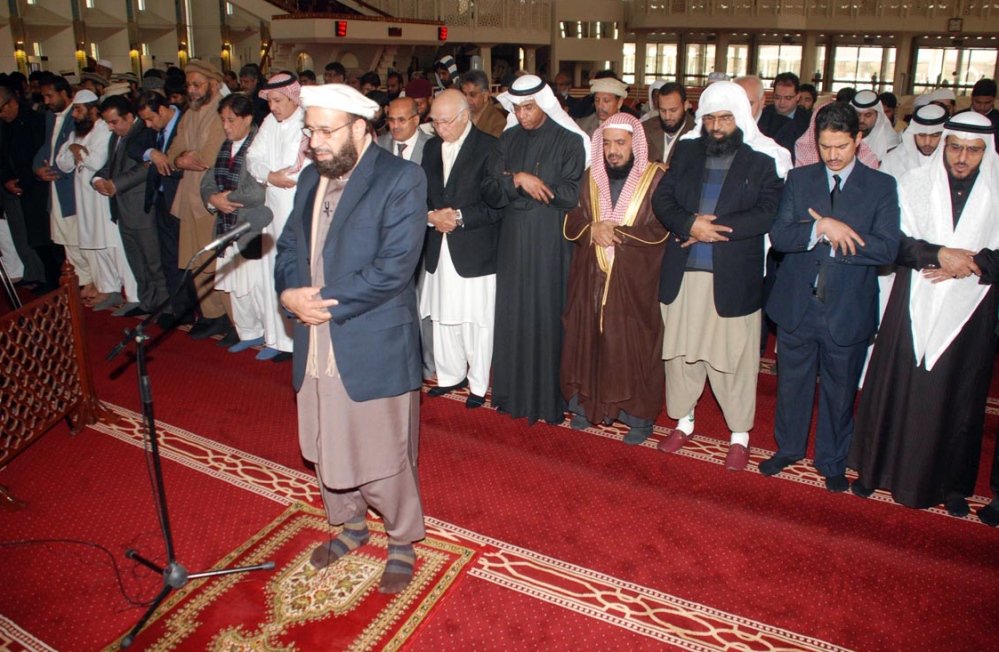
point(643, 549)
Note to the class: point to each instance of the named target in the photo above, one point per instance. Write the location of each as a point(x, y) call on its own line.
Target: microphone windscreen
point(257, 217)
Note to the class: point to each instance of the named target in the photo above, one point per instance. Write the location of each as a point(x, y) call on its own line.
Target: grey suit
point(136, 224)
point(426, 325)
point(385, 142)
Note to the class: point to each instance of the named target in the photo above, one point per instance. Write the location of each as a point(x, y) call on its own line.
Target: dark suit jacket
point(748, 203)
point(21, 138)
point(48, 152)
point(129, 177)
point(785, 131)
point(869, 204)
point(369, 259)
point(472, 248)
point(136, 150)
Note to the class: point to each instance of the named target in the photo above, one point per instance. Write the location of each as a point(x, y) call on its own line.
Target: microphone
point(225, 238)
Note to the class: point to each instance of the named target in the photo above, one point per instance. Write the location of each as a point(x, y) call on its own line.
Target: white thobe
point(97, 236)
point(276, 147)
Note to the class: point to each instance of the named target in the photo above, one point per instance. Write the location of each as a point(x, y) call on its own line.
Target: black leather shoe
point(837, 484)
point(474, 401)
point(990, 513)
point(775, 464)
point(957, 506)
point(229, 339)
point(859, 489)
point(217, 326)
point(441, 391)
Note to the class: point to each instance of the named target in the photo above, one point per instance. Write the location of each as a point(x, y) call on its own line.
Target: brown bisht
point(612, 348)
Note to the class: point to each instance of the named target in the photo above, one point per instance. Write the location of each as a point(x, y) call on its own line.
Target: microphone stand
point(174, 574)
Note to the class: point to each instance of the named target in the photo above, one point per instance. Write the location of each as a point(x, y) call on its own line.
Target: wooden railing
point(45, 373)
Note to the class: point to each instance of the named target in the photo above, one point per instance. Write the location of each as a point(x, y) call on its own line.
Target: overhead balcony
point(926, 16)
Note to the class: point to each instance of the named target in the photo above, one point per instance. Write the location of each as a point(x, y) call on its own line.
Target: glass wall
point(864, 66)
point(737, 60)
point(700, 62)
point(956, 68)
point(775, 59)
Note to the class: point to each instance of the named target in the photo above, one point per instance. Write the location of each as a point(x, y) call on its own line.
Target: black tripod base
point(176, 576)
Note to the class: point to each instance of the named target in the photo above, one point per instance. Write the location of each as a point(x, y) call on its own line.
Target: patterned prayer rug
point(296, 607)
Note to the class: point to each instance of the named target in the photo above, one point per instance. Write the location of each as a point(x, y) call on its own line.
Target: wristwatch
point(458, 219)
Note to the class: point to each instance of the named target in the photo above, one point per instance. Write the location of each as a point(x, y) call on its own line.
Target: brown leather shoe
point(674, 441)
point(737, 457)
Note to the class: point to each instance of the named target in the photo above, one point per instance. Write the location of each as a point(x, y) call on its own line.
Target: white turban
point(531, 87)
point(928, 119)
point(729, 96)
point(883, 137)
point(84, 97)
point(339, 97)
point(939, 311)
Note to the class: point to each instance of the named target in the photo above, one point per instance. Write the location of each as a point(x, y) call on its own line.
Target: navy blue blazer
point(869, 204)
point(64, 182)
point(748, 201)
point(369, 259)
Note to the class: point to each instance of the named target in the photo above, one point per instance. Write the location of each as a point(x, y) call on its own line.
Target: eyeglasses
point(325, 132)
point(447, 123)
point(974, 150)
point(724, 119)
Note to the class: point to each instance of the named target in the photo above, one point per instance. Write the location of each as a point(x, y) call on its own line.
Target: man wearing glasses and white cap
point(345, 269)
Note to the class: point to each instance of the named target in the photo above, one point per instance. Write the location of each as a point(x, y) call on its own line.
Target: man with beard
point(86, 152)
point(345, 269)
point(878, 132)
point(919, 141)
point(420, 91)
point(459, 289)
point(393, 85)
point(63, 224)
point(838, 221)
point(534, 179)
point(198, 139)
point(671, 121)
point(920, 417)
point(611, 367)
point(608, 97)
point(718, 201)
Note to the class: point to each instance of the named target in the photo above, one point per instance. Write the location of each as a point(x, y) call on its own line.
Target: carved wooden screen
point(45, 373)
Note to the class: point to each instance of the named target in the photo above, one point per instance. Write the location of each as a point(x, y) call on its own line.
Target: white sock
point(686, 424)
point(739, 438)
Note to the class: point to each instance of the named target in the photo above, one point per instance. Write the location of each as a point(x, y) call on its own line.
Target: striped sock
point(398, 568)
point(353, 536)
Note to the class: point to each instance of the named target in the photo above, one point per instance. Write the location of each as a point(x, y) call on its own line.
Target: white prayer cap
point(339, 97)
point(609, 85)
point(928, 119)
point(614, 122)
point(84, 97)
point(865, 100)
point(941, 95)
